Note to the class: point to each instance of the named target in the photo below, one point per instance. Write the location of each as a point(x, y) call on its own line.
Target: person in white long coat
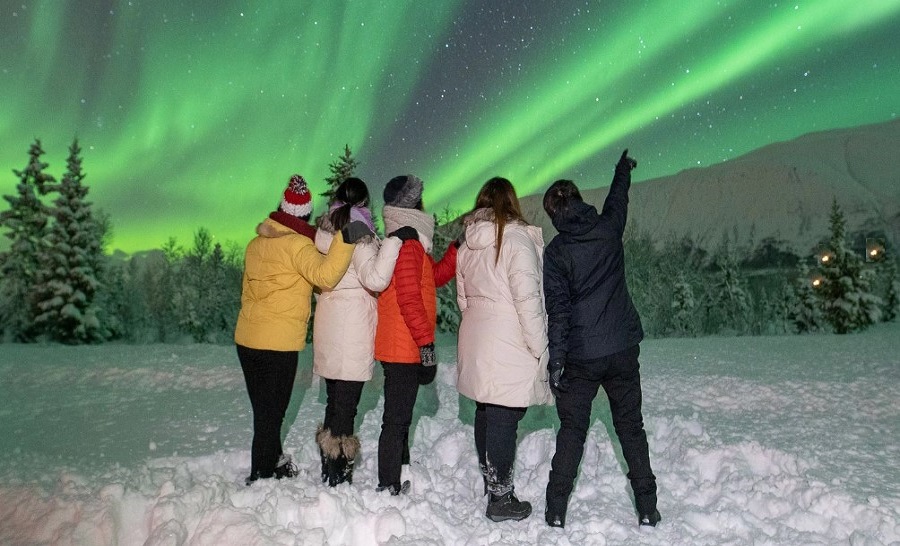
point(344, 327)
point(502, 351)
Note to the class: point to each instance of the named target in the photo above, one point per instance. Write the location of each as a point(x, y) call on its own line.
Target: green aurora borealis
point(195, 113)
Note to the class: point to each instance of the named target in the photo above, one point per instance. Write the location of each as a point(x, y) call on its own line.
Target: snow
point(754, 440)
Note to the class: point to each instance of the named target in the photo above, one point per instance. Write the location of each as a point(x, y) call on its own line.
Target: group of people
point(538, 326)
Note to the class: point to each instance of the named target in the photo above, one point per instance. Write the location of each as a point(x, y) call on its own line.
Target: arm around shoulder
point(324, 270)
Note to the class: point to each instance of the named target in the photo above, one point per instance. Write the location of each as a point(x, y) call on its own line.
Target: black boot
point(649, 520)
point(507, 507)
point(324, 465)
point(286, 468)
point(349, 451)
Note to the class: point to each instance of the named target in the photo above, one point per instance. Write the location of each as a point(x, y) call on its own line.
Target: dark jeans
point(270, 380)
point(619, 375)
point(401, 386)
point(495, 442)
point(340, 410)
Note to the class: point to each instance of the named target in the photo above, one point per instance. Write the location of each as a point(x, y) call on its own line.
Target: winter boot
point(649, 520)
point(507, 507)
point(349, 450)
point(333, 460)
point(285, 468)
point(555, 513)
point(395, 488)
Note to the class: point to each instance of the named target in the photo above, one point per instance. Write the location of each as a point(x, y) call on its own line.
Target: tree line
point(60, 285)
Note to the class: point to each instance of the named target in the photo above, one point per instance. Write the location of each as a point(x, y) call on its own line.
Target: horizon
point(195, 116)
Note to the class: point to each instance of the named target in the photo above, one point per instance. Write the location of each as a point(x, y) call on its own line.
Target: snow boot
point(349, 450)
point(649, 520)
point(506, 507)
point(330, 448)
point(285, 467)
point(395, 488)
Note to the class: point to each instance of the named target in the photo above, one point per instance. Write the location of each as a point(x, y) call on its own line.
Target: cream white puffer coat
point(346, 316)
point(502, 347)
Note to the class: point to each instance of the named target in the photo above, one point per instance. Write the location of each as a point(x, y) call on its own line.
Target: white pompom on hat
point(297, 201)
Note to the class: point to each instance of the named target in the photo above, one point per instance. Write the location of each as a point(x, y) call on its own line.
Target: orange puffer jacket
point(407, 310)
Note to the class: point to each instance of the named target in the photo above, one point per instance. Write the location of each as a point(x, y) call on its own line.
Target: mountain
point(781, 191)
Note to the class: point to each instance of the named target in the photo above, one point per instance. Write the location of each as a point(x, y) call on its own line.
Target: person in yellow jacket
point(281, 266)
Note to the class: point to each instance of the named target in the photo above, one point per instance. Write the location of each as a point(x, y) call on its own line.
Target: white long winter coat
point(346, 316)
point(502, 348)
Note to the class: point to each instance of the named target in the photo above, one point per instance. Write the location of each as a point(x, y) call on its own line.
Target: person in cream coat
point(344, 327)
point(502, 348)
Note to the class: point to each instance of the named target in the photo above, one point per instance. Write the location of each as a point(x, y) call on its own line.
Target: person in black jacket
point(595, 333)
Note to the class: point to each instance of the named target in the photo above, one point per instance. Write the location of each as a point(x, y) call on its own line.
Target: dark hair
point(352, 193)
point(559, 195)
point(499, 195)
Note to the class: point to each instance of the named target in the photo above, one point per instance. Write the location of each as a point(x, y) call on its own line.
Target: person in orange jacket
point(407, 317)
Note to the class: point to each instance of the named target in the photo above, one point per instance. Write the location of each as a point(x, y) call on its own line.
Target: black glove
point(626, 163)
point(354, 231)
point(558, 383)
point(461, 240)
point(426, 353)
point(406, 233)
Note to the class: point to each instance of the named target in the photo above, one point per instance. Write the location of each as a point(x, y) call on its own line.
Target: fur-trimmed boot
point(349, 451)
point(338, 456)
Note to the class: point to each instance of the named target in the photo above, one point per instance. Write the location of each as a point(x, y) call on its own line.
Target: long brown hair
point(499, 195)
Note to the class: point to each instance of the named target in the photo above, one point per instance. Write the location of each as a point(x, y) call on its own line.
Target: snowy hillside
point(783, 191)
point(773, 440)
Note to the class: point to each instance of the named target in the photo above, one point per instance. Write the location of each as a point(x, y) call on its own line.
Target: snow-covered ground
point(772, 440)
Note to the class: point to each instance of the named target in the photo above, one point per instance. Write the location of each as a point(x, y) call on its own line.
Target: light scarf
point(397, 217)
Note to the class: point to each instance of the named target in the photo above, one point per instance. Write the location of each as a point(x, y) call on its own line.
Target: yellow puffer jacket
point(281, 266)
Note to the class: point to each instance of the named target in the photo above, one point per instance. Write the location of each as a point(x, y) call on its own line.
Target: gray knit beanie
point(403, 192)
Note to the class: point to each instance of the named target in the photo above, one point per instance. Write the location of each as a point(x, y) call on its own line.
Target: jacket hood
point(481, 229)
point(578, 218)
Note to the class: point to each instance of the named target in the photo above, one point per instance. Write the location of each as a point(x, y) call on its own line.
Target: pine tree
point(72, 263)
point(341, 169)
point(730, 303)
point(684, 307)
point(848, 302)
point(26, 222)
point(448, 315)
point(892, 301)
point(805, 308)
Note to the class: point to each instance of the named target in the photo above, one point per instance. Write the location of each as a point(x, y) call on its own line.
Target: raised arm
point(615, 208)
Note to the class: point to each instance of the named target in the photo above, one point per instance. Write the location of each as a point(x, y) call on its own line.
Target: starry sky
point(194, 113)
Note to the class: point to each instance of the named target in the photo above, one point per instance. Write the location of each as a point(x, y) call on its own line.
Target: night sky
point(195, 113)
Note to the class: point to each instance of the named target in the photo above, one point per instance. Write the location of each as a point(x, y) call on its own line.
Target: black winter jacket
point(590, 311)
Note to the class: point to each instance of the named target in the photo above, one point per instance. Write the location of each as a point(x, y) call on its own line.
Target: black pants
point(270, 380)
point(340, 410)
point(619, 375)
point(495, 440)
point(401, 386)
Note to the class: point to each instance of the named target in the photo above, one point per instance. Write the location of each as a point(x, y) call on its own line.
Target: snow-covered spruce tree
point(446, 230)
point(25, 223)
point(848, 302)
point(892, 298)
point(73, 264)
point(207, 297)
point(684, 307)
point(728, 301)
point(805, 310)
point(341, 169)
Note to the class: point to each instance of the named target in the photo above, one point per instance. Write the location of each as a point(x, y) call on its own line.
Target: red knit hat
point(297, 200)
